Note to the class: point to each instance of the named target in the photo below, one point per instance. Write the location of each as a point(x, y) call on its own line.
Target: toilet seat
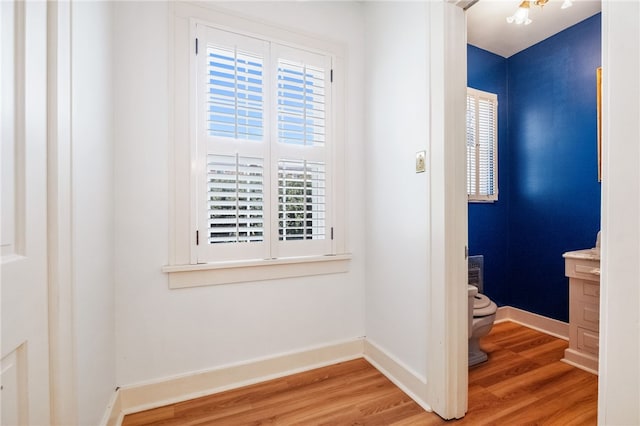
point(483, 306)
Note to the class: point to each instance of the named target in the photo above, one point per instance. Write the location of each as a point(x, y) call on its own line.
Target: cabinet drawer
point(585, 291)
point(585, 315)
point(591, 289)
point(582, 268)
point(588, 341)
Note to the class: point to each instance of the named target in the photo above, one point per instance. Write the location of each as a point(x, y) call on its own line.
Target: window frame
point(183, 267)
point(477, 197)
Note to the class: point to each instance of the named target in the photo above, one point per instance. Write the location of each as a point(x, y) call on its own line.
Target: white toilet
point(482, 311)
point(482, 314)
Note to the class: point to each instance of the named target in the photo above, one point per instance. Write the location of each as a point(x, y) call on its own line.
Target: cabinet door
point(588, 341)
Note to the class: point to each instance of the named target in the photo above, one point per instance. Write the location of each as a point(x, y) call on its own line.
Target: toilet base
point(477, 358)
point(481, 327)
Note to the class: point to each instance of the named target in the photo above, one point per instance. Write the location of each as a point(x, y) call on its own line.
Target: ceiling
point(487, 27)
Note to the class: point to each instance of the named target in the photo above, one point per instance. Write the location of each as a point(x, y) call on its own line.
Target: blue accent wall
point(489, 222)
point(549, 199)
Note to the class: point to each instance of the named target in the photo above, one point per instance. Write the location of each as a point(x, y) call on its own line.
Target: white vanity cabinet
point(582, 267)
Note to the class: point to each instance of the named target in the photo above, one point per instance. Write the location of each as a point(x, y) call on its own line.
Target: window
point(482, 146)
point(257, 188)
point(263, 149)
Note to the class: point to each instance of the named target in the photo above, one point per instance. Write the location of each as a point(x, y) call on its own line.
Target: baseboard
point(143, 396)
point(543, 324)
point(113, 413)
point(402, 376)
point(581, 360)
point(170, 390)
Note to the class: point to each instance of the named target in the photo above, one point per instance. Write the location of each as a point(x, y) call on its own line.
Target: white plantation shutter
point(262, 149)
point(301, 152)
point(471, 145)
point(232, 146)
point(482, 145)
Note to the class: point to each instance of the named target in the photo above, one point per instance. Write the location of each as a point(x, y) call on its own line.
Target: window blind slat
point(235, 105)
point(301, 200)
point(301, 104)
point(235, 193)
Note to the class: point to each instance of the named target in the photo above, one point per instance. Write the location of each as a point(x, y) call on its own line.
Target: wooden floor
point(523, 383)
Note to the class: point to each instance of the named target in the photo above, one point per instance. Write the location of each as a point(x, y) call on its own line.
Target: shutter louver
point(236, 202)
point(301, 200)
point(486, 134)
point(301, 104)
point(482, 109)
point(235, 104)
point(471, 145)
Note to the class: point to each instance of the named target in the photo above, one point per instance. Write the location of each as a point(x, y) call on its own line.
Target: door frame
point(63, 394)
point(447, 328)
point(619, 372)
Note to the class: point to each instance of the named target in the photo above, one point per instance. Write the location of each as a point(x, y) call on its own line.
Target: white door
point(23, 203)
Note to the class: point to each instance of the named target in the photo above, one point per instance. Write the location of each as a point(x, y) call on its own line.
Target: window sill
point(206, 274)
point(482, 200)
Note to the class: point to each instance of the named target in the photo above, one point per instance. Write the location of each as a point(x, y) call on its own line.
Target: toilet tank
point(476, 272)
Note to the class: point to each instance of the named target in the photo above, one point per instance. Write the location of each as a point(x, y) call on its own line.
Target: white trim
point(447, 326)
point(254, 263)
point(402, 376)
point(206, 274)
point(113, 414)
point(170, 390)
point(537, 322)
point(619, 378)
point(581, 360)
point(233, 21)
point(62, 353)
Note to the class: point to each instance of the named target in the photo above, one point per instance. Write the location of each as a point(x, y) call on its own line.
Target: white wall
point(397, 198)
point(92, 208)
point(619, 379)
point(162, 332)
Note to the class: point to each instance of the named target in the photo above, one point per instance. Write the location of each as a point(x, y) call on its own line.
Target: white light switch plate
point(421, 161)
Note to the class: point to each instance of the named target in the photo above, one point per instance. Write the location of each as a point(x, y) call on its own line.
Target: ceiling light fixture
point(521, 16)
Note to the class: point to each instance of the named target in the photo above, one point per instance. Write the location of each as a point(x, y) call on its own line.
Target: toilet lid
point(480, 301)
point(483, 306)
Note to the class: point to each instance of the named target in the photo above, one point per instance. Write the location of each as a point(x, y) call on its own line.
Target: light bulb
point(522, 15)
point(566, 4)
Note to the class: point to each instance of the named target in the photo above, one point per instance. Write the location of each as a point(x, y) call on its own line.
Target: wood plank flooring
point(523, 383)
